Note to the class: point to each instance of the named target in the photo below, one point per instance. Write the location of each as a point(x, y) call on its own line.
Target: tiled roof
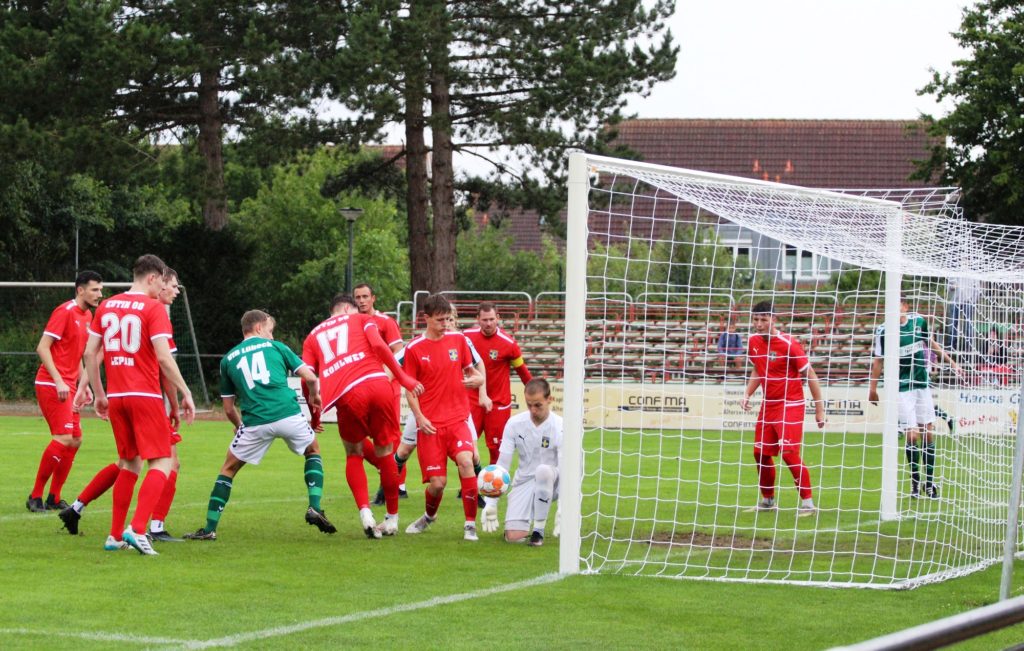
point(835, 154)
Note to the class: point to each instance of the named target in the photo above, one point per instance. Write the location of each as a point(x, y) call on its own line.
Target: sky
point(824, 59)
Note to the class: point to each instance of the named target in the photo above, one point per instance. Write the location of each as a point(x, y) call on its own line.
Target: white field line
point(279, 631)
point(94, 636)
point(14, 517)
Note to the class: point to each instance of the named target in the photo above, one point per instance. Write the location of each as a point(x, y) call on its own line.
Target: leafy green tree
point(535, 76)
point(985, 152)
point(300, 243)
point(487, 262)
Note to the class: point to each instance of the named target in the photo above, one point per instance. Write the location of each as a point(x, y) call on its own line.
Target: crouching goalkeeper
point(537, 436)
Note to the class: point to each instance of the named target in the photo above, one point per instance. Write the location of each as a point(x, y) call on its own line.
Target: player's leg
point(129, 467)
point(765, 448)
point(301, 440)
point(97, 486)
point(389, 481)
point(406, 446)
point(58, 416)
point(154, 445)
point(908, 423)
point(477, 467)
point(519, 511)
point(60, 475)
point(460, 446)
point(792, 437)
point(383, 426)
point(163, 505)
point(925, 413)
point(543, 494)
point(219, 497)
point(494, 429)
point(433, 469)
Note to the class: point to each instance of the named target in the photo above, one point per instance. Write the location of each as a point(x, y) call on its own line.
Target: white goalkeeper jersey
point(536, 445)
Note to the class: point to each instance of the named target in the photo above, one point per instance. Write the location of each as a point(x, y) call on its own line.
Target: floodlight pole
point(350, 215)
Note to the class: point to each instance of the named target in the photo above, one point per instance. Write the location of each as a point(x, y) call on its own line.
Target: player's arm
point(752, 383)
point(46, 357)
point(876, 373)
point(309, 356)
point(387, 357)
point(92, 357)
point(815, 386)
point(231, 411)
point(519, 365)
point(169, 369)
point(944, 356)
point(310, 389)
point(422, 422)
point(172, 399)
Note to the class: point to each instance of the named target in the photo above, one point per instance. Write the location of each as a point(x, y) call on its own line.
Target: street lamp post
point(350, 215)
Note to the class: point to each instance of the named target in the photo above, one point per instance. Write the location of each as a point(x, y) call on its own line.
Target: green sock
point(218, 500)
point(400, 462)
point(314, 473)
point(929, 462)
point(913, 454)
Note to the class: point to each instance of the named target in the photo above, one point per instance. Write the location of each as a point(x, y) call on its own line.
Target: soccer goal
point(659, 475)
point(24, 309)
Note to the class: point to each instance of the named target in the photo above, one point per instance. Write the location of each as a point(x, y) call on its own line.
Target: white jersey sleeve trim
point(52, 334)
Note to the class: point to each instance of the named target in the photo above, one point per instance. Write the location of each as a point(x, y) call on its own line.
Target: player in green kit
point(255, 375)
point(916, 408)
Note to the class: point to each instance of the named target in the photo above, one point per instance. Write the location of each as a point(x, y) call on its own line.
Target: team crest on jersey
point(453, 354)
point(493, 354)
point(772, 355)
point(545, 442)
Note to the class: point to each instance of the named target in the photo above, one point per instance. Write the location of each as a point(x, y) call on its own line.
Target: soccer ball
point(493, 481)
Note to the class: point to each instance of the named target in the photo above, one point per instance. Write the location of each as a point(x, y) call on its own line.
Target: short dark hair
point(148, 264)
point(85, 277)
point(343, 298)
point(486, 306)
point(367, 286)
point(253, 318)
point(436, 304)
point(169, 273)
point(763, 307)
point(538, 385)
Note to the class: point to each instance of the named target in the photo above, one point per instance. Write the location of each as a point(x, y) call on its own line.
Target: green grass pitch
point(273, 582)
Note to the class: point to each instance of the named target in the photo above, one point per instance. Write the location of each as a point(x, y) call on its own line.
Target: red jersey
point(129, 323)
point(779, 360)
point(68, 325)
point(439, 366)
point(340, 353)
point(498, 352)
point(389, 331)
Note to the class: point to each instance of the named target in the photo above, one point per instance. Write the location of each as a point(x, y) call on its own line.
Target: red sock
point(124, 486)
point(433, 502)
point(100, 484)
point(493, 454)
point(149, 495)
point(765, 474)
point(47, 464)
point(801, 475)
point(389, 482)
point(355, 474)
point(469, 495)
point(163, 506)
point(60, 475)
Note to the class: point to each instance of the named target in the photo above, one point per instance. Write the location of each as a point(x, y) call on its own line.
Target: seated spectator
point(730, 346)
point(994, 349)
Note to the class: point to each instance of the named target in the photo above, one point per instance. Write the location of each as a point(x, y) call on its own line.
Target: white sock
point(540, 525)
point(807, 503)
point(156, 526)
point(401, 487)
point(78, 507)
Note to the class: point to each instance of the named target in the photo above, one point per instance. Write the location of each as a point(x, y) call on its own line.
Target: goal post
point(27, 305)
point(659, 475)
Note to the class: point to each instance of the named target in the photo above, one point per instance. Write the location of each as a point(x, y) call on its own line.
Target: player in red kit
point(349, 357)
point(441, 361)
point(131, 332)
point(499, 352)
point(60, 354)
point(779, 368)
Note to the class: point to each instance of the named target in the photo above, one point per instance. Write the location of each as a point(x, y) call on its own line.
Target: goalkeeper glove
point(490, 519)
point(558, 524)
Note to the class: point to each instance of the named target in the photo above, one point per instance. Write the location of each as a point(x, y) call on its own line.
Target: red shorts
point(60, 416)
point(140, 427)
point(491, 424)
point(175, 437)
point(779, 427)
point(368, 411)
point(447, 441)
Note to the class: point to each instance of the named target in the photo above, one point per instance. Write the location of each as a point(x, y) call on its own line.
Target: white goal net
point(660, 475)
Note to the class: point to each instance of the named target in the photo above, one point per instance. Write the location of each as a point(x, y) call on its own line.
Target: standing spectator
point(60, 352)
point(730, 346)
point(963, 296)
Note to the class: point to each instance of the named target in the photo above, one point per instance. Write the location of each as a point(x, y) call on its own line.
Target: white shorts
point(916, 408)
point(410, 434)
point(519, 513)
point(252, 442)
